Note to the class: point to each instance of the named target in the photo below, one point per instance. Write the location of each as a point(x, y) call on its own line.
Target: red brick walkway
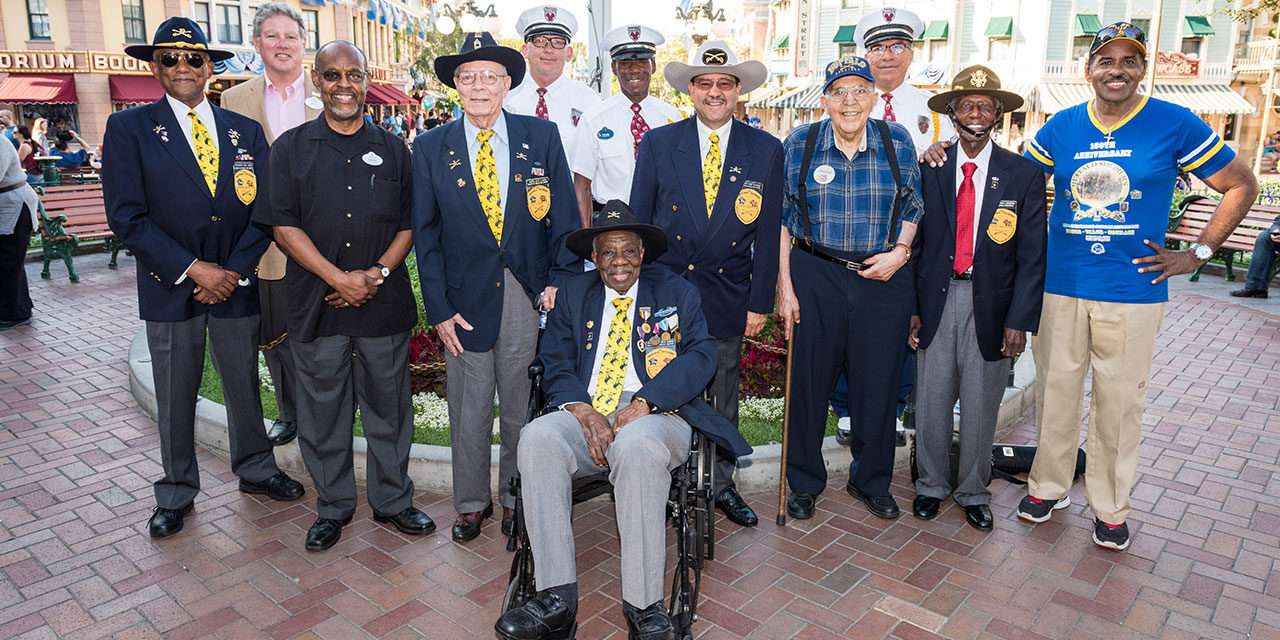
point(77, 458)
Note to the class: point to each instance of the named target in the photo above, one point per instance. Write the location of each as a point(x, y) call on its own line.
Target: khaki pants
point(1117, 340)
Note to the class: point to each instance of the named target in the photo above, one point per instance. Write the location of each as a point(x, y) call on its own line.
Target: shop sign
point(1175, 64)
point(71, 62)
point(117, 63)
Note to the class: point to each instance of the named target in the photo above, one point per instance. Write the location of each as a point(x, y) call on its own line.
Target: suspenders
point(901, 193)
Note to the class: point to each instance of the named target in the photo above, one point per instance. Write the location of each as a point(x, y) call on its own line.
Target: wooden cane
point(786, 423)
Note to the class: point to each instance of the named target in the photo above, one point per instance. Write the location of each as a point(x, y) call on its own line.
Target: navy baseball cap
point(847, 66)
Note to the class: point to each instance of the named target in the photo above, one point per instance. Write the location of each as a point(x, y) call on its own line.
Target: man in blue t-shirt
point(1114, 161)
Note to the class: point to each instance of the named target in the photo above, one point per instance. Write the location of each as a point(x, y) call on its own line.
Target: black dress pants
point(15, 297)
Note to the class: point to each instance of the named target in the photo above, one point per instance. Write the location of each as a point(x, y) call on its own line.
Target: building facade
point(64, 59)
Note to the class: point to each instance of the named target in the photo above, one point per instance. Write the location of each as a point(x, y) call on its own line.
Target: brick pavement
point(77, 458)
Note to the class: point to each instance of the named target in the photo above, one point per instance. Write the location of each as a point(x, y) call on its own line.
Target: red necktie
point(888, 108)
point(541, 109)
point(638, 126)
point(964, 220)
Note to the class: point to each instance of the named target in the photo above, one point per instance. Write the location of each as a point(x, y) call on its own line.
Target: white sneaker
point(842, 426)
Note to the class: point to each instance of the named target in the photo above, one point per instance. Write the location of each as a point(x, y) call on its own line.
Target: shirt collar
point(610, 294)
point(704, 130)
point(558, 83)
point(895, 91)
point(499, 128)
point(983, 159)
point(204, 110)
point(289, 91)
point(827, 139)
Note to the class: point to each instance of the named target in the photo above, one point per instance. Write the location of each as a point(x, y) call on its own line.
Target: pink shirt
point(285, 109)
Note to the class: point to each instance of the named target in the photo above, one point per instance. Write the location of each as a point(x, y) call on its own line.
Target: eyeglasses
point(845, 92)
point(486, 78)
point(170, 59)
point(707, 84)
point(333, 75)
point(542, 42)
point(879, 50)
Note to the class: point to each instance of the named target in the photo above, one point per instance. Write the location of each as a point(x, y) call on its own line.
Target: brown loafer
point(467, 526)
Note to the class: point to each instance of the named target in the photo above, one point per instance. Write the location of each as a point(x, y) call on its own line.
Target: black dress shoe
point(649, 623)
point(282, 432)
point(1249, 293)
point(979, 516)
point(925, 508)
point(325, 533)
point(467, 526)
point(278, 487)
point(801, 505)
point(879, 506)
point(410, 521)
point(508, 520)
point(546, 616)
point(166, 522)
point(735, 508)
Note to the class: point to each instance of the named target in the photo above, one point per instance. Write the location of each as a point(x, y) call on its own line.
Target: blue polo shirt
point(1113, 190)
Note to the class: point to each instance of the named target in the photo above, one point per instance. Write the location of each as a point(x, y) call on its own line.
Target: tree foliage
point(1246, 10)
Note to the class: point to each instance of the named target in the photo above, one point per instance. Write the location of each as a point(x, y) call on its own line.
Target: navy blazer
point(159, 205)
point(733, 256)
point(1008, 276)
point(573, 334)
point(459, 264)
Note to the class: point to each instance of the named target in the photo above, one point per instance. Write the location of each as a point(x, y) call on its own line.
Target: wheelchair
point(690, 510)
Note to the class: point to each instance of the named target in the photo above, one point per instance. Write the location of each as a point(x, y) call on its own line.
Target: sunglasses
point(1121, 30)
point(170, 59)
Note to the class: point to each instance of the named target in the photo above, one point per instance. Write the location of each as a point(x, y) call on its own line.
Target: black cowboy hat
point(617, 216)
point(481, 46)
point(178, 33)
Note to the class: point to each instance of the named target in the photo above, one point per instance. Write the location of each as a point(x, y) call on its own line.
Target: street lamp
point(467, 14)
point(699, 19)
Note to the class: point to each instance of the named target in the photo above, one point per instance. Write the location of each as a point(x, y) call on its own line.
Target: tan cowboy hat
point(975, 80)
point(715, 56)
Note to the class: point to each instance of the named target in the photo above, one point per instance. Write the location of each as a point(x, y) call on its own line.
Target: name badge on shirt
point(245, 180)
point(824, 174)
point(1004, 222)
point(604, 133)
point(372, 159)
point(313, 102)
point(538, 193)
point(747, 205)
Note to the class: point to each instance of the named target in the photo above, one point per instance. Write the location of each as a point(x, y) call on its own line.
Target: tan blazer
point(246, 99)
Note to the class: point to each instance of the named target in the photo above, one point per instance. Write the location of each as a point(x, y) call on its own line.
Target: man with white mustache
point(852, 204)
point(277, 100)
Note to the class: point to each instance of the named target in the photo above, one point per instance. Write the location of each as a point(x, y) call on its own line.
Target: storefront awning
point(1196, 27)
point(27, 88)
point(937, 30)
point(1000, 27)
point(845, 33)
point(783, 43)
point(1202, 99)
point(1087, 25)
point(386, 94)
point(135, 89)
point(802, 98)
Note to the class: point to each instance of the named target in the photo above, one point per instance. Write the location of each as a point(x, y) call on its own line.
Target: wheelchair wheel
point(520, 585)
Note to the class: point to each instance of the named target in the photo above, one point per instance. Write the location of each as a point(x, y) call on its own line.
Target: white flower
point(767, 409)
point(430, 411)
point(264, 374)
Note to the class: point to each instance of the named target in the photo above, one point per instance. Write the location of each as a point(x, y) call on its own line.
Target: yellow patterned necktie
point(613, 369)
point(487, 184)
point(206, 153)
point(711, 172)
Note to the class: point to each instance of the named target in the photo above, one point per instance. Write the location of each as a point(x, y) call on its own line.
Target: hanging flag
point(383, 10)
point(372, 12)
point(313, 3)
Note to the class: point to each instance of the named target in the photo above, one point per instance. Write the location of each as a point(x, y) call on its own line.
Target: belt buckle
point(853, 266)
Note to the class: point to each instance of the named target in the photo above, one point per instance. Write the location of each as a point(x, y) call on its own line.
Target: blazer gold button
point(348, 215)
point(721, 270)
point(498, 284)
point(348, 187)
point(348, 244)
point(673, 208)
point(678, 237)
point(588, 345)
point(691, 267)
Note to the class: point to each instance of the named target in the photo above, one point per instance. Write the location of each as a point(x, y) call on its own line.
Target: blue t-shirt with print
point(1113, 190)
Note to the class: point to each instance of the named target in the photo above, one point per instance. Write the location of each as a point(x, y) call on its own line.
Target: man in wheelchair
point(626, 355)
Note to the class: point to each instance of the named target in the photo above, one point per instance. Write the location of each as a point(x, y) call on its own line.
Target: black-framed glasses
point(542, 42)
point(354, 76)
point(170, 59)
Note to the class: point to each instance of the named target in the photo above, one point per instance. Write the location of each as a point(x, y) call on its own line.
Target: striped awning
point(802, 98)
point(1204, 99)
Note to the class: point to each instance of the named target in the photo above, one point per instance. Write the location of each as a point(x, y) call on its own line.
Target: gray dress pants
point(274, 302)
point(334, 373)
point(471, 378)
point(553, 452)
point(177, 361)
point(953, 368)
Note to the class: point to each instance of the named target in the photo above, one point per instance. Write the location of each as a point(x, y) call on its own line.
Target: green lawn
point(756, 432)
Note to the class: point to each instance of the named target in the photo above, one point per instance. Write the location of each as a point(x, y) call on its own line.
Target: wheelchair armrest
point(536, 370)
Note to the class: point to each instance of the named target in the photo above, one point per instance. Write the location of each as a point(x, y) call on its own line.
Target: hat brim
point(1008, 100)
point(509, 58)
point(751, 74)
point(652, 237)
point(144, 52)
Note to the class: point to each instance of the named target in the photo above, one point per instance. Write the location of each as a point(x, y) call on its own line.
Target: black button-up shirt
point(351, 195)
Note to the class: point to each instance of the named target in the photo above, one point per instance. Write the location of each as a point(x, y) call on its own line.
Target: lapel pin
point(735, 169)
point(519, 178)
point(451, 152)
point(733, 178)
point(454, 164)
point(524, 145)
point(995, 181)
point(162, 132)
point(521, 156)
point(234, 136)
point(461, 183)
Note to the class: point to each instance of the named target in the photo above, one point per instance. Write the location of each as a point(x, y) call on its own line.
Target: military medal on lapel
point(538, 193)
point(750, 198)
point(1004, 222)
point(662, 345)
point(234, 136)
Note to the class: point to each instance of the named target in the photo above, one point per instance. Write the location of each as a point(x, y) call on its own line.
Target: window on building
point(1142, 23)
point(998, 48)
point(936, 49)
point(38, 19)
point(135, 24)
point(1191, 46)
point(1080, 47)
point(848, 49)
point(311, 20)
point(202, 17)
point(229, 26)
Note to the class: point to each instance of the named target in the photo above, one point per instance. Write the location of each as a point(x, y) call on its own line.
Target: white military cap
point(547, 20)
point(889, 23)
point(633, 42)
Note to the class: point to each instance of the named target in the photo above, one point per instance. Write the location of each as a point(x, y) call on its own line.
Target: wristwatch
point(1202, 252)
point(382, 269)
